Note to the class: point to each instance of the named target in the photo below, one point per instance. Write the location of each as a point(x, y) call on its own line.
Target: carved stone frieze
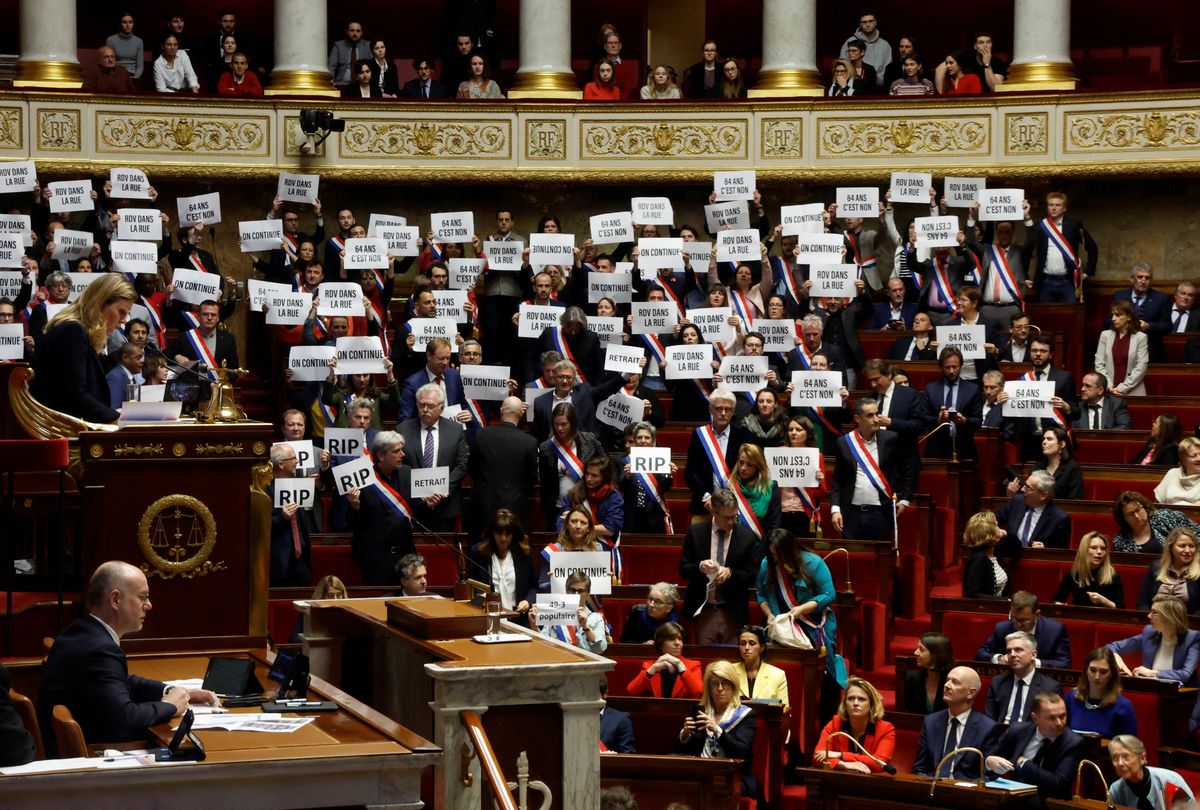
point(1111, 131)
point(676, 139)
point(244, 136)
point(941, 136)
point(426, 139)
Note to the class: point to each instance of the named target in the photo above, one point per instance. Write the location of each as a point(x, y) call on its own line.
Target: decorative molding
point(12, 127)
point(139, 450)
point(1026, 133)
point(219, 449)
point(782, 138)
point(150, 133)
point(177, 535)
point(1112, 131)
point(376, 138)
point(681, 139)
point(545, 139)
point(952, 136)
point(58, 130)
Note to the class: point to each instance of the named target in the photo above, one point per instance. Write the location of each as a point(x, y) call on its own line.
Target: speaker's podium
point(829, 789)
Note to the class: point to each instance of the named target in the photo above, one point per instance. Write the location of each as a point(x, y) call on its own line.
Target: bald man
point(108, 76)
point(504, 465)
point(956, 726)
point(86, 669)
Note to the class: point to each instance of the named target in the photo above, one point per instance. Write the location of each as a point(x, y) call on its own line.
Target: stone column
point(1041, 47)
point(545, 70)
point(48, 57)
point(789, 51)
point(301, 50)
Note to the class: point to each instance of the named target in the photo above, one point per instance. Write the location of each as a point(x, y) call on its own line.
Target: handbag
point(786, 633)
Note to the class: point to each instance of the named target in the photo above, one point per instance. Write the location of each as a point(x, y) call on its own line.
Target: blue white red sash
point(808, 504)
point(435, 250)
point(337, 243)
point(298, 283)
point(863, 264)
point(328, 411)
point(476, 412)
point(27, 313)
point(1002, 271)
point(376, 316)
point(1059, 416)
point(943, 287)
point(804, 356)
point(291, 248)
point(783, 269)
point(670, 294)
point(1064, 247)
point(199, 265)
point(200, 348)
point(539, 384)
point(742, 306)
point(568, 459)
point(712, 449)
point(818, 413)
point(392, 499)
point(649, 485)
point(560, 343)
point(156, 323)
point(657, 350)
point(866, 462)
point(977, 270)
point(190, 319)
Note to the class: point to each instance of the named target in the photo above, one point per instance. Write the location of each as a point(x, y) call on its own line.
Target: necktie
point(882, 399)
point(438, 379)
point(949, 403)
point(425, 90)
point(1095, 416)
point(427, 456)
point(1018, 703)
point(1137, 302)
point(296, 534)
point(1026, 528)
point(952, 742)
point(720, 546)
point(1177, 320)
point(1042, 748)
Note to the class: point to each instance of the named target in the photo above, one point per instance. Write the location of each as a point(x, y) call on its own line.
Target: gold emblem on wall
point(942, 136)
point(545, 140)
point(139, 450)
point(120, 132)
point(369, 139)
point(177, 534)
point(683, 139)
point(1116, 132)
point(58, 130)
point(12, 134)
point(1026, 133)
point(782, 138)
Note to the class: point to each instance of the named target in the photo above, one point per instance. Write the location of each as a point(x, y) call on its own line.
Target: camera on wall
point(314, 122)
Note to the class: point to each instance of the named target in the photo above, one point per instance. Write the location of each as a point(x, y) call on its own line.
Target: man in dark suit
point(431, 441)
point(1024, 615)
point(812, 333)
point(1057, 265)
point(940, 269)
point(901, 410)
point(719, 562)
point(87, 673)
point(1005, 277)
point(290, 548)
point(894, 315)
point(616, 727)
point(1065, 398)
point(699, 471)
point(956, 726)
point(382, 534)
point(957, 402)
point(1097, 411)
point(1010, 696)
point(219, 347)
point(1151, 306)
point(127, 370)
point(840, 327)
point(1015, 349)
point(1043, 752)
point(1183, 315)
point(16, 743)
point(424, 86)
point(503, 466)
point(439, 372)
point(584, 346)
point(992, 386)
point(582, 395)
point(861, 507)
point(1032, 519)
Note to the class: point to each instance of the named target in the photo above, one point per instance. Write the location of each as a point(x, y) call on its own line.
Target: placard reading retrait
point(623, 359)
point(425, 482)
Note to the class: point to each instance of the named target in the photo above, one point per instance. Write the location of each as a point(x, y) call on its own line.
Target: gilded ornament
point(176, 535)
point(11, 135)
point(1026, 133)
point(1157, 129)
point(218, 449)
point(604, 139)
point(259, 448)
point(783, 138)
point(178, 449)
point(96, 450)
point(424, 139)
point(173, 134)
point(122, 450)
point(58, 130)
point(942, 136)
point(545, 140)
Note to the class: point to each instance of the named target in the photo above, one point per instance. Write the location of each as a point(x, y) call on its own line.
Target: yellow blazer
point(770, 683)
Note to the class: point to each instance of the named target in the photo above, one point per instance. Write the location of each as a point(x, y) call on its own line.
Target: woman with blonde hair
point(1176, 572)
point(1170, 651)
point(722, 727)
point(69, 375)
point(753, 479)
point(860, 716)
point(659, 85)
point(1092, 579)
point(1181, 485)
point(983, 576)
point(330, 587)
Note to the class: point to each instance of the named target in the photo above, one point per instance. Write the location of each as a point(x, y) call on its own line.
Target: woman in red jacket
point(860, 716)
point(669, 675)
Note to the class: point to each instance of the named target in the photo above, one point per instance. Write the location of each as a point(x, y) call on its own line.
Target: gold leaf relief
point(182, 134)
point(664, 140)
point(546, 140)
point(381, 138)
point(783, 138)
point(1117, 131)
point(938, 137)
point(10, 128)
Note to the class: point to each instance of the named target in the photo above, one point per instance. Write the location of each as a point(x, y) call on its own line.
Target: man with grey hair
point(719, 562)
point(1010, 696)
point(711, 443)
point(575, 341)
point(382, 530)
point(290, 549)
point(581, 394)
point(1031, 517)
point(431, 440)
point(503, 466)
point(812, 341)
point(1150, 305)
point(414, 579)
point(86, 670)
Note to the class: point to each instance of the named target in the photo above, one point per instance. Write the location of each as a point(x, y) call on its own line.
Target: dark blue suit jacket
point(1156, 305)
point(408, 393)
point(70, 375)
point(1183, 662)
point(881, 316)
point(910, 416)
point(1054, 645)
point(1000, 690)
point(118, 383)
point(286, 568)
point(1060, 757)
point(1053, 529)
point(931, 747)
point(87, 673)
point(968, 402)
point(616, 731)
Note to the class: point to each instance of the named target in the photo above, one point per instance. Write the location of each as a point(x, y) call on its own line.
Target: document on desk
point(250, 721)
point(1008, 784)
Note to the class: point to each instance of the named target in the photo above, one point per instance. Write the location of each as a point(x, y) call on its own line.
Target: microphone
point(948, 755)
point(1078, 794)
point(463, 587)
point(199, 370)
point(887, 766)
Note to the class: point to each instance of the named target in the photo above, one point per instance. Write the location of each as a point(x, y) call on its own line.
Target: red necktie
point(296, 535)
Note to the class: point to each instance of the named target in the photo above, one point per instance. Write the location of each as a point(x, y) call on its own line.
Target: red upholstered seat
point(336, 560)
point(281, 618)
point(31, 455)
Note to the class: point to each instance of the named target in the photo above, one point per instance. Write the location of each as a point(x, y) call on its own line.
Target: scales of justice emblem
point(177, 535)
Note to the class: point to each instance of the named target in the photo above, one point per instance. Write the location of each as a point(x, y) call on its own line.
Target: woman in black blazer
point(364, 84)
point(1181, 558)
point(983, 578)
point(935, 658)
point(1162, 448)
point(69, 375)
point(502, 559)
point(1056, 460)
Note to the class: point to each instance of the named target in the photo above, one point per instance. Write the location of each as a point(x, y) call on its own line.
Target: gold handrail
point(39, 421)
point(487, 759)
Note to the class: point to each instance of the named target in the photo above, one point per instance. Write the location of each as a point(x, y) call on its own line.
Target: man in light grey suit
point(431, 441)
point(1097, 411)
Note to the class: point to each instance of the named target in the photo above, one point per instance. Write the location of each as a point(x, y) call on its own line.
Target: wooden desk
point(834, 790)
point(657, 781)
point(352, 757)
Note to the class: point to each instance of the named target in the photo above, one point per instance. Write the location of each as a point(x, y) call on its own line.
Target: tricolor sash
point(870, 467)
point(742, 306)
point(539, 384)
point(436, 250)
point(291, 248)
point(863, 264)
point(156, 323)
point(977, 272)
point(818, 413)
point(804, 356)
point(375, 315)
point(328, 411)
point(943, 287)
point(560, 343)
point(708, 441)
point(1064, 247)
point(298, 282)
point(199, 265)
point(783, 269)
point(337, 243)
point(1002, 273)
point(567, 457)
point(649, 485)
point(192, 336)
point(190, 319)
point(379, 285)
point(671, 295)
point(1059, 416)
point(476, 412)
point(392, 499)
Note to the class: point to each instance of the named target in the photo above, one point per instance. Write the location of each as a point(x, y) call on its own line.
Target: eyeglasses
point(577, 590)
point(652, 602)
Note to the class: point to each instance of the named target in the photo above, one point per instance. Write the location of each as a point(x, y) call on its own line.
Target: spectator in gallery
point(625, 72)
point(239, 80)
point(347, 53)
point(862, 72)
point(952, 81)
point(108, 77)
point(219, 67)
point(604, 88)
point(477, 84)
point(991, 70)
point(877, 50)
point(424, 86)
point(659, 85)
point(732, 85)
point(703, 79)
point(129, 48)
point(894, 71)
point(912, 81)
point(844, 83)
point(383, 71)
point(173, 71)
point(362, 86)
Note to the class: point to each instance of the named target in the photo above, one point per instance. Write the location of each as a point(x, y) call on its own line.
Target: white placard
point(551, 248)
point(345, 441)
point(608, 328)
point(531, 395)
point(620, 410)
point(135, 257)
point(833, 280)
point(557, 610)
point(911, 187)
point(485, 382)
point(610, 228)
point(793, 466)
point(967, 339)
point(623, 359)
point(299, 188)
point(657, 252)
point(52, 310)
point(262, 293)
point(816, 389)
point(70, 195)
point(616, 286)
point(798, 219)
point(463, 272)
point(300, 491)
point(360, 355)
point(17, 176)
point(20, 225)
point(143, 224)
point(737, 185)
point(937, 231)
point(11, 250)
point(654, 317)
point(73, 245)
point(12, 341)
point(150, 412)
point(503, 257)
point(200, 209)
point(152, 393)
point(1001, 204)
point(743, 373)
point(387, 220)
point(370, 253)
point(738, 246)
point(735, 215)
point(260, 234)
point(128, 184)
point(289, 309)
point(596, 564)
point(962, 192)
point(697, 253)
point(79, 282)
point(310, 363)
point(819, 248)
point(452, 226)
point(425, 482)
point(689, 362)
point(713, 323)
point(401, 240)
point(535, 318)
point(652, 211)
point(306, 454)
point(1028, 398)
point(195, 287)
point(357, 473)
point(11, 283)
point(650, 460)
point(779, 335)
point(426, 329)
point(343, 298)
point(860, 201)
point(451, 304)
